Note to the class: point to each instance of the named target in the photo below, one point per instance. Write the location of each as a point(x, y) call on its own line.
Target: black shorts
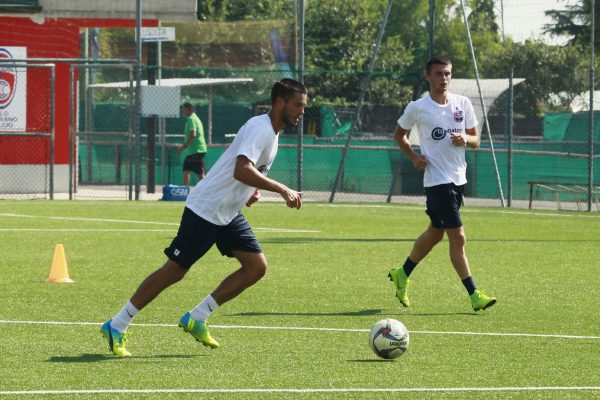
point(196, 236)
point(443, 205)
point(195, 163)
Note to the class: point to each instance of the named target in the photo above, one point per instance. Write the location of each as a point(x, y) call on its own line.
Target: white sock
point(121, 321)
point(203, 310)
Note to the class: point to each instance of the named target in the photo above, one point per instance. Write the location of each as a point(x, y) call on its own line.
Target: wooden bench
point(557, 188)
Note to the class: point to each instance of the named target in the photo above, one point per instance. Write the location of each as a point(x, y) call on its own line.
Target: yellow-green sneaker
point(401, 281)
point(198, 329)
point(116, 340)
point(480, 301)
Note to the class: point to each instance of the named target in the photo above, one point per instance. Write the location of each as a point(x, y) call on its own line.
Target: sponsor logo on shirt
point(440, 133)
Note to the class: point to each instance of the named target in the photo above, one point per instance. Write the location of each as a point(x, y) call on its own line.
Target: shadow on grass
point(411, 240)
point(359, 313)
point(321, 239)
point(372, 360)
point(470, 314)
point(91, 358)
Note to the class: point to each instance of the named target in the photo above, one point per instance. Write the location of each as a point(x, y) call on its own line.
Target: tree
point(238, 10)
point(451, 37)
point(411, 25)
point(340, 35)
point(574, 22)
point(554, 75)
point(483, 17)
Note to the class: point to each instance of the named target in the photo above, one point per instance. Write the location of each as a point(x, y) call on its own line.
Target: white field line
point(125, 221)
point(261, 229)
point(300, 328)
point(82, 230)
point(396, 206)
point(283, 230)
point(467, 210)
point(308, 390)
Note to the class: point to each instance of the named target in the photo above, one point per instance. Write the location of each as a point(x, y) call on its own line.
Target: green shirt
point(198, 145)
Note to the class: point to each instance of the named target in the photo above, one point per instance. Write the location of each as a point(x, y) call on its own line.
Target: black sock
point(408, 266)
point(469, 285)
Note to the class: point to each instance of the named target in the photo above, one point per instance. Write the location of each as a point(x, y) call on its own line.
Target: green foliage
point(238, 10)
point(555, 75)
point(340, 36)
point(339, 40)
point(451, 36)
point(483, 17)
point(574, 22)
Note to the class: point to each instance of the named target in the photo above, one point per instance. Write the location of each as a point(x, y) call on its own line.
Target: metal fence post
point(52, 99)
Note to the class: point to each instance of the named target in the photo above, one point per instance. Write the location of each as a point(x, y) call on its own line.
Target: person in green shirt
point(194, 147)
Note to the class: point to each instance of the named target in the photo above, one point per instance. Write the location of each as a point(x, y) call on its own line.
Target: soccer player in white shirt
point(446, 126)
point(212, 216)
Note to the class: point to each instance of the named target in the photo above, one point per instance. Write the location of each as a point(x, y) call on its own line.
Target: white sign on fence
point(13, 91)
point(161, 101)
point(158, 34)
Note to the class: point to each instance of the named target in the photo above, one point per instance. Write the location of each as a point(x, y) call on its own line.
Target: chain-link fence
point(27, 151)
point(102, 132)
point(531, 97)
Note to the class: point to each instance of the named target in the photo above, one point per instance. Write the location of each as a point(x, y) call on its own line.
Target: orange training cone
point(59, 271)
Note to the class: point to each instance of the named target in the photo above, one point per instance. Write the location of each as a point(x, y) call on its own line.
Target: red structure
point(54, 38)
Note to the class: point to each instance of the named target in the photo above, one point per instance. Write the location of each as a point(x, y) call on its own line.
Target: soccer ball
point(389, 338)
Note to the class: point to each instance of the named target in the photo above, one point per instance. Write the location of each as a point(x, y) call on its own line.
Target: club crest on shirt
point(458, 116)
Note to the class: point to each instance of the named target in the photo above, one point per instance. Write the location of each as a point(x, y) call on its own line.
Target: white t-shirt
point(219, 197)
point(435, 124)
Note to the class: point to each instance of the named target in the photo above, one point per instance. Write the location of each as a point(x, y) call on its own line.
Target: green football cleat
point(480, 301)
point(198, 329)
point(401, 281)
point(116, 340)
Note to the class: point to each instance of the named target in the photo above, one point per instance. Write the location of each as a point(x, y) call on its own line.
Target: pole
point(300, 128)
point(72, 117)
point(89, 112)
point(138, 103)
point(210, 115)
point(52, 136)
point(161, 120)
point(486, 122)
point(509, 119)
point(592, 85)
point(130, 138)
point(431, 48)
point(151, 120)
point(510, 129)
point(364, 86)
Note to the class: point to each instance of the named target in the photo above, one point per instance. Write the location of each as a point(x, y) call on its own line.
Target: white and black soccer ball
point(389, 338)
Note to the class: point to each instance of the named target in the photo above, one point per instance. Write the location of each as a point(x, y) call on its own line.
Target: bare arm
point(469, 139)
point(246, 172)
point(473, 141)
point(188, 142)
point(419, 161)
point(254, 198)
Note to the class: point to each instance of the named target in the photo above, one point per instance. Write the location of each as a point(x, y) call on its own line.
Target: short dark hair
point(285, 89)
point(436, 60)
point(187, 104)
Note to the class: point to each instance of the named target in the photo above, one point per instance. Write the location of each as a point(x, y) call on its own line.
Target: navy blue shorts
point(196, 236)
point(443, 205)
